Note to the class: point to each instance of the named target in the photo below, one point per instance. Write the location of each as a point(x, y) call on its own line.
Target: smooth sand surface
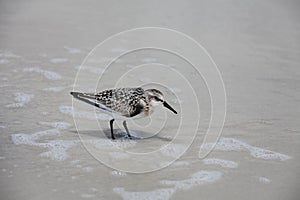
point(256, 47)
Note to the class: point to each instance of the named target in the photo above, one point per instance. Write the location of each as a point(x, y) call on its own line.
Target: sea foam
point(221, 162)
point(95, 70)
point(159, 194)
point(54, 89)
point(58, 125)
point(231, 144)
point(21, 99)
point(6, 54)
point(56, 149)
point(198, 178)
point(58, 60)
point(173, 150)
point(46, 73)
point(4, 61)
point(264, 180)
point(72, 50)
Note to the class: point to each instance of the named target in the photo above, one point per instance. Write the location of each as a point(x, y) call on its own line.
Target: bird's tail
point(86, 97)
point(89, 98)
point(80, 95)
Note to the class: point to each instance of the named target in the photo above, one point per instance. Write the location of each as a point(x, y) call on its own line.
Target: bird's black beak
point(169, 107)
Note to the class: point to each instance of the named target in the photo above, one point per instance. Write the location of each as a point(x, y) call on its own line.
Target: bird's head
point(156, 98)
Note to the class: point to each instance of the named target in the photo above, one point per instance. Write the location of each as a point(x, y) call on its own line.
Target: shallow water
point(46, 153)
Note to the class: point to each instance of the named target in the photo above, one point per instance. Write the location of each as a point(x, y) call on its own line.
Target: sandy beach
point(52, 147)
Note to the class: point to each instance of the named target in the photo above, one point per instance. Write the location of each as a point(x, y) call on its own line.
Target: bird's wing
point(122, 101)
point(90, 99)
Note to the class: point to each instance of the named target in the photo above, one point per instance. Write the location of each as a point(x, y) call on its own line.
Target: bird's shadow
point(119, 134)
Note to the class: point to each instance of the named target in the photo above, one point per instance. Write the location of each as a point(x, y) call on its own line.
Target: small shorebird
point(124, 103)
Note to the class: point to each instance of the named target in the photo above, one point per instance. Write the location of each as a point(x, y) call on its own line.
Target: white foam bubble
point(6, 85)
point(123, 143)
point(95, 70)
point(73, 162)
point(54, 89)
point(7, 54)
point(231, 144)
point(68, 110)
point(88, 195)
point(23, 97)
point(159, 194)
point(173, 150)
point(88, 169)
point(227, 144)
point(267, 154)
point(99, 144)
point(93, 189)
point(175, 164)
point(221, 162)
point(46, 73)
point(264, 180)
point(21, 100)
point(59, 125)
point(101, 60)
point(118, 173)
point(180, 163)
point(198, 178)
point(57, 149)
point(4, 61)
point(58, 60)
point(29, 139)
point(23, 139)
point(72, 50)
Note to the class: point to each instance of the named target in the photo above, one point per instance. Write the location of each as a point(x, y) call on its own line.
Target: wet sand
point(256, 47)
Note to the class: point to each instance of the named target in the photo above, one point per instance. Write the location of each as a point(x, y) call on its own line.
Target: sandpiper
point(125, 103)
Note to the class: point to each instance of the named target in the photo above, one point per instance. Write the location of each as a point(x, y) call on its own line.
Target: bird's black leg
point(125, 126)
point(112, 128)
